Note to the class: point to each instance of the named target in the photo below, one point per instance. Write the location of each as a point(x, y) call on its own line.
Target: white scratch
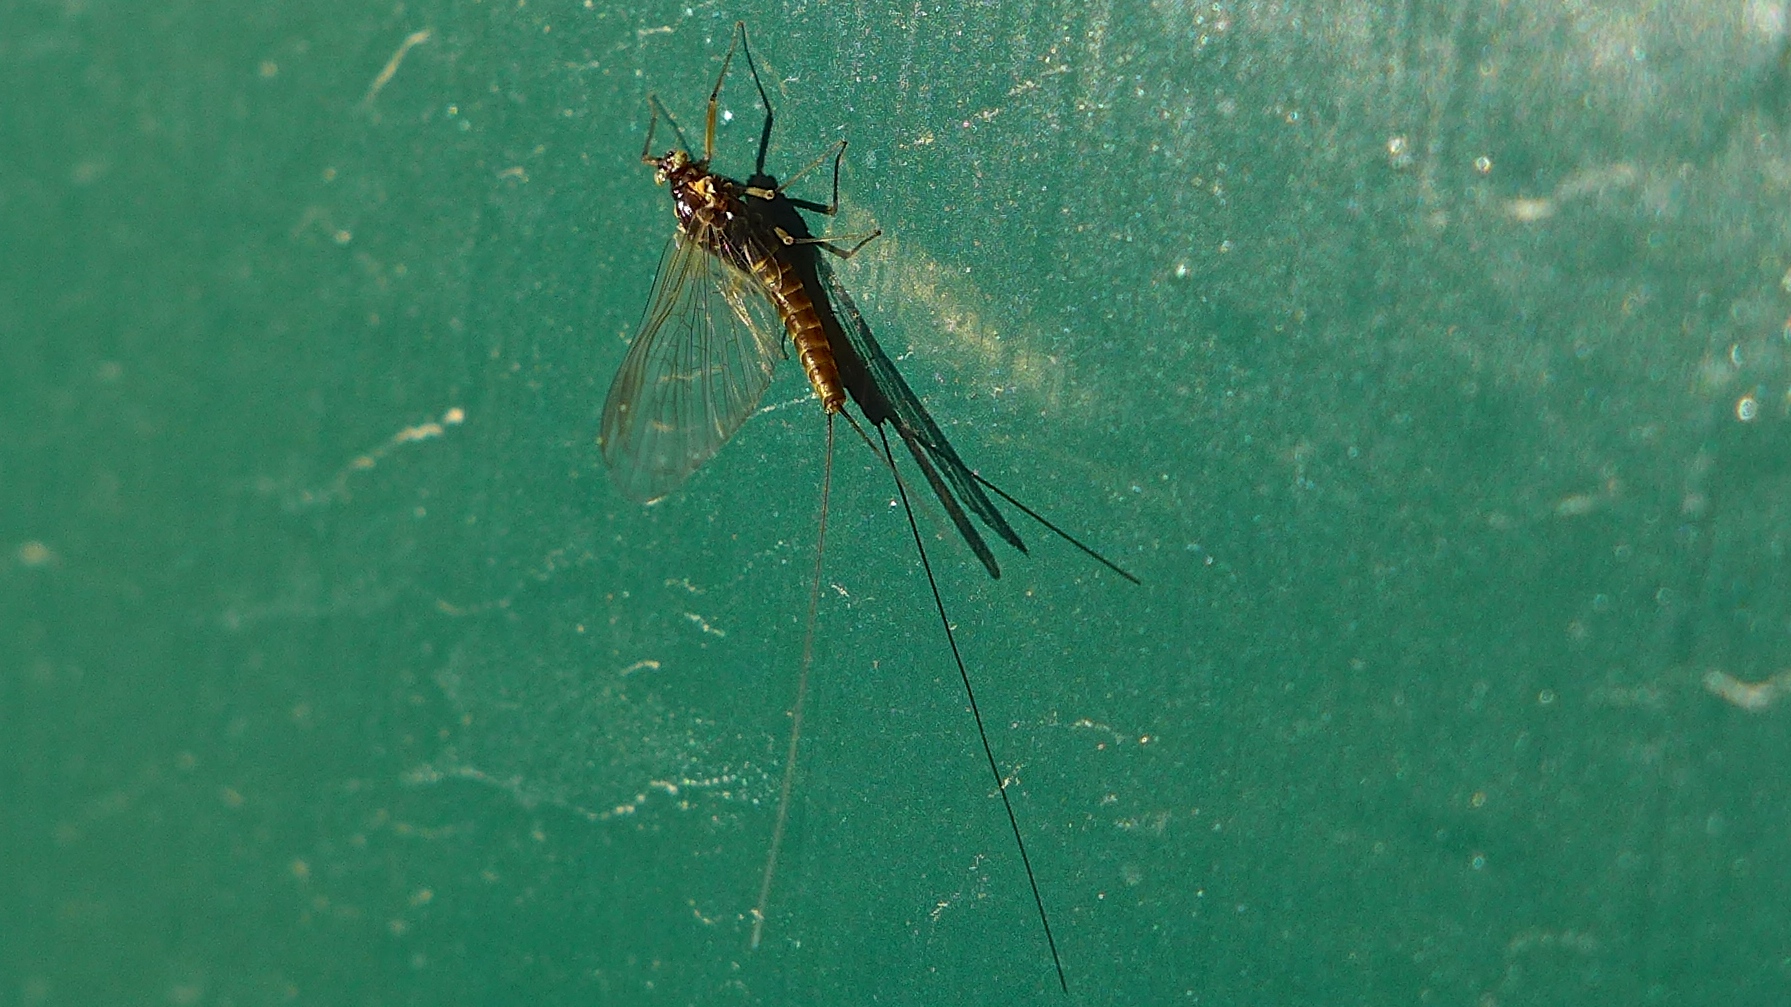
point(411, 41)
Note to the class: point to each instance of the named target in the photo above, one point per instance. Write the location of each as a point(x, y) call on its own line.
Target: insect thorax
point(711, 210)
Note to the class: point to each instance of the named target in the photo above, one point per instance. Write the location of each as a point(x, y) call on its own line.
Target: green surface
point(1434, 468)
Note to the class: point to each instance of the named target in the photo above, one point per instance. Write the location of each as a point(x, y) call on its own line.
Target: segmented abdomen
point(804, 326)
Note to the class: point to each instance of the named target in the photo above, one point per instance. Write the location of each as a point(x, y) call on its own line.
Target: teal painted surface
point(1458, 554)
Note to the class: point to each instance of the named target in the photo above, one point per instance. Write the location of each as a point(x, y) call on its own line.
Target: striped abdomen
point(785, 290)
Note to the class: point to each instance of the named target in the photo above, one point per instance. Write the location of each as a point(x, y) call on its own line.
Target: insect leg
point(826, 241)
point(715, 95)
point(839, 152)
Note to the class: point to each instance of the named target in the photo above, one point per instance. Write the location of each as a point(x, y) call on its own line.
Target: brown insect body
point(743, 263)
point(717, 212)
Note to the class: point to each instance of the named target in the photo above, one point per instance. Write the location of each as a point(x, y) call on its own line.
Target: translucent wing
point(697, 368)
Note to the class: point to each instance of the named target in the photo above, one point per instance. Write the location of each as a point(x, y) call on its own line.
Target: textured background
point(1429, 362)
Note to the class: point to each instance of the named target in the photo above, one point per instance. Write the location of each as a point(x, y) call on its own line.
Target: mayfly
point(742, 274)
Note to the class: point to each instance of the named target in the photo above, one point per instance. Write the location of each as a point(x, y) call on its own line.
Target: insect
point(742, 282)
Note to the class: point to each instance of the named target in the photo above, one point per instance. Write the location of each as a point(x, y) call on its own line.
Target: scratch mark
point(1750, 696)
point(556, 560)
point(1119, 738)
point(775, 406)
point(338, 488)
point(1591, 182)
point(411, 41)
point(519, 789)
point(703, 624)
